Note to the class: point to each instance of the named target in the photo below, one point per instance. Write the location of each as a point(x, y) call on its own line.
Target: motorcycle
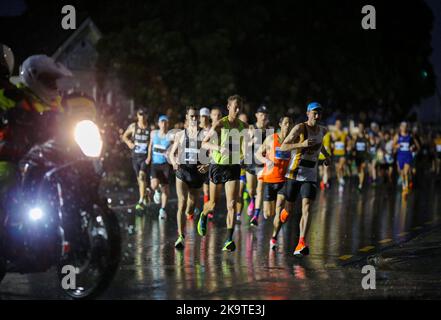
point(55, 217)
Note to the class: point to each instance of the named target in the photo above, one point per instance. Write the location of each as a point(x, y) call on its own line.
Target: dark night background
point(284, 53)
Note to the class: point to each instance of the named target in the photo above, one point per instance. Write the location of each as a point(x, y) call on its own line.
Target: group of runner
point(268, 167)
point(378, 154)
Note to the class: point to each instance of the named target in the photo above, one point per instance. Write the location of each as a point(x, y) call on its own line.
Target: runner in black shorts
point(189, 170)
point(361, 154)
point(204, 126)
point(254, 167)
point(306, 142)
point(160, 170)
point(137, 137)
point(225, 140)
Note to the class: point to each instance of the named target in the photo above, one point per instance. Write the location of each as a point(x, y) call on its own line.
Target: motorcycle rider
point(27, 110)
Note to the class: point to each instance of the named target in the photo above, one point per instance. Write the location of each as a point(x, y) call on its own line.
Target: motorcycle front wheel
point(93, 254)
point(2, 268)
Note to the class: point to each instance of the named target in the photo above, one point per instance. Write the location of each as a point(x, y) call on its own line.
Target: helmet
point(6, 61)
point(40, 74)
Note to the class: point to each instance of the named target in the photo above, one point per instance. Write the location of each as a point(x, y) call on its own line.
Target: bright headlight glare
point(88, 137)
point(35, 214)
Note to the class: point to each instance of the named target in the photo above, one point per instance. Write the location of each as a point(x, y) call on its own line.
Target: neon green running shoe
point(202, 225)
point(229, 246)
point(179, 244)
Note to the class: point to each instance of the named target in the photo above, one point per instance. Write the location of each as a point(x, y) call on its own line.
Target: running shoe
point(360, 188)
point(301, 249)
point(157, 197)
point(251, 208)
point(229, 246)
point(273, 244)
point(190, 217)
point(246, 195)
point(238, 220)
point(283, 216)
point(139, 206)
point(202, 225)
point(162, 214)
point(179, 244)
point(341, 181)
point(254, 222)
point(322, 185)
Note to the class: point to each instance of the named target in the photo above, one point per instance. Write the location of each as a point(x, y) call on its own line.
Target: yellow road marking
point(366, 249)
point(331, 265)
point(345, 257)
point(385, 241)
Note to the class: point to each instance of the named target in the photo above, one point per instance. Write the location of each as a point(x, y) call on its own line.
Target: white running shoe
point(157, 197)
point(342, 181)
point(162, 214)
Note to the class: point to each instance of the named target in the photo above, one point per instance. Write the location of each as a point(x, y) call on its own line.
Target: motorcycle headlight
point(88, 137)
point(36, 214)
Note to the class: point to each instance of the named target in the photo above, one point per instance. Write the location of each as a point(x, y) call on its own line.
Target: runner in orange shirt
point(273, 175)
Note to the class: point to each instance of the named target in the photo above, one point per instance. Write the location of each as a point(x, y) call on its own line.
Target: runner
point(215, 116)
point(204, 125)
point(137, 138)
point(254, 170)
point(243, 192)
point(339, 146)
point(305, 139)
point(324, 170)
point(373, 159)
point(361, 154)
point(417, 155)
point(276, 162)
point(226, 142)
point(404, 144)
point(388, 149)
point(160, 169)
point(185, 156)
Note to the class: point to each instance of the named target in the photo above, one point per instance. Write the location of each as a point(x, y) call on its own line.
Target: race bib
point(159, 149)
point(360, 146)
point(282, 155)
point(404, 146)
point(141, 147)
point(339, 145)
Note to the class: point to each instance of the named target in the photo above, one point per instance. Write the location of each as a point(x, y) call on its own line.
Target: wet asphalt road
point(346, 228)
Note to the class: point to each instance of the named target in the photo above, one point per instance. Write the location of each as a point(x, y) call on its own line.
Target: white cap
point(204, 112)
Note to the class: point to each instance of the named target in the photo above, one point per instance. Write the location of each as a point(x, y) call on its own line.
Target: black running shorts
point(271, 190)
point(190, 175)
point(220, 174)
point(138, 163)
point(306, 189)
point(160, 172)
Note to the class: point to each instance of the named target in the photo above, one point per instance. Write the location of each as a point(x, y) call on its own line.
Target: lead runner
point(226, 142)
point(306, 141)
